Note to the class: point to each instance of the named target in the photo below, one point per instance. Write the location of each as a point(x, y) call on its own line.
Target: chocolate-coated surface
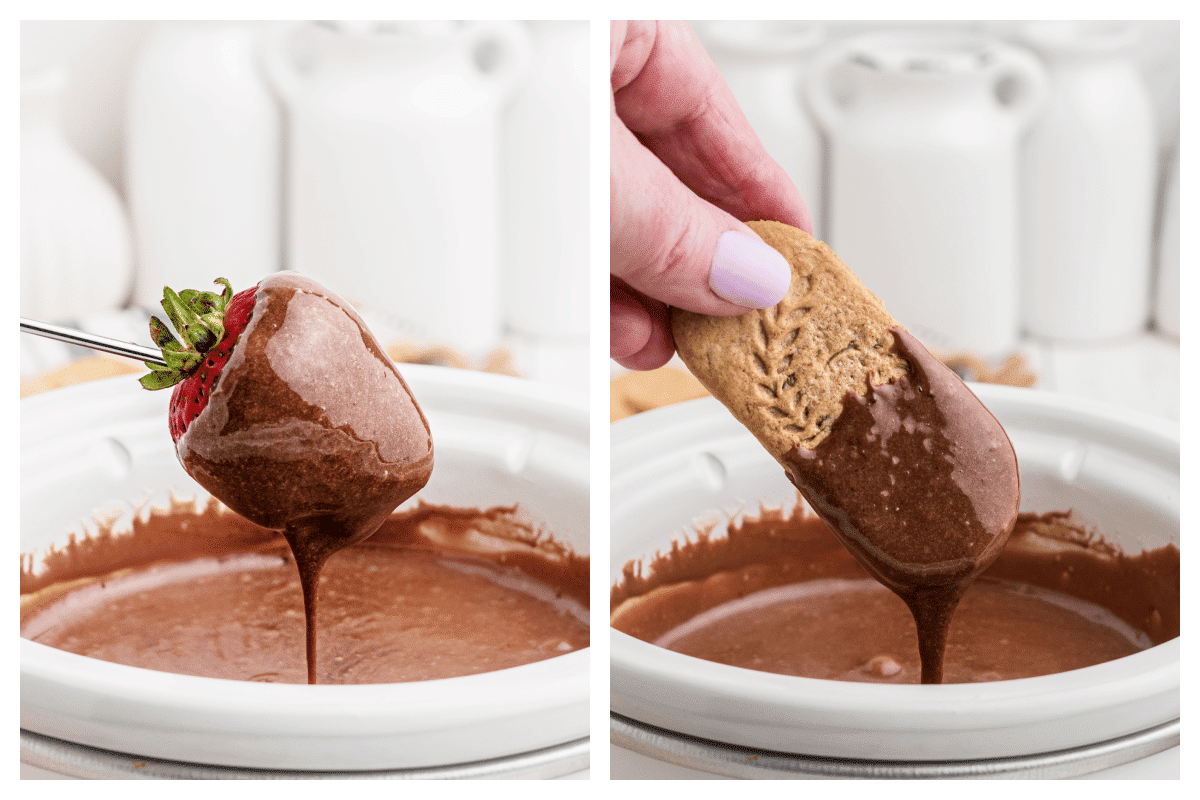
point(920, 483)
point(310, 429)
point(437, 592)
point(782, 595)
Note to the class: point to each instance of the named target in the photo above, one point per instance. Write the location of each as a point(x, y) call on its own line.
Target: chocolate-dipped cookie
point(897, 456)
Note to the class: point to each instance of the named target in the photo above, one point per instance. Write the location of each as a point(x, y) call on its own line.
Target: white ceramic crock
point(924, 129)
point(544, 277)
point(1089, 175)
point(393, 186)
point(497, 440)
point(203, 158)
point(1166, 290)
point(687, 463)
point(76, 254)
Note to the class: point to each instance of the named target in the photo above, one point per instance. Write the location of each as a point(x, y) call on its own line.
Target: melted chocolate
point(437, 592)
point(920, 483)
point(310, 429)
point(780, 594)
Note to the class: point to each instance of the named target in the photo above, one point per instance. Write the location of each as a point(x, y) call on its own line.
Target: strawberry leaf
point(206, 303)
point(227, 294)
point(161, 334)
point(161, 379)
point(201, 332)
point(189, 361)
point(199, 318)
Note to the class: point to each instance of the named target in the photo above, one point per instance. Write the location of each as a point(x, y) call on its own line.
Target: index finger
point(669, 93)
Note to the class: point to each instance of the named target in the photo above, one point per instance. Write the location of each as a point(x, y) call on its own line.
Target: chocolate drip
point(310, 429)
point(919, 482)
point(311, 551)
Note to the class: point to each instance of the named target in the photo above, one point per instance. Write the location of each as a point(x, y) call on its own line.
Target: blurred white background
point(1068, 217)
point(433, 173)
point(1005, 188)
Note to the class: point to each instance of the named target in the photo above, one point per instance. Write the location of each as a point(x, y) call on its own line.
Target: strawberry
point(210, 325)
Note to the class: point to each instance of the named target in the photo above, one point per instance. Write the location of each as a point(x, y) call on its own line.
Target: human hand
point(686, 169)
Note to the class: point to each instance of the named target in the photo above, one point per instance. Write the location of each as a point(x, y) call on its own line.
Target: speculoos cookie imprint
point(783, 371)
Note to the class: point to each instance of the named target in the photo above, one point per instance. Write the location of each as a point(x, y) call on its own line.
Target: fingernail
point(748, 272)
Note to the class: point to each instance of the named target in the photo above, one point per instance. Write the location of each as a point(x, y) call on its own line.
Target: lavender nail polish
point(748, 272)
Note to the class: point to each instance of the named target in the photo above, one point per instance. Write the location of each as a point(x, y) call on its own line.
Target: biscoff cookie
point(92, 368)
point(783, 371)
point(635, 392)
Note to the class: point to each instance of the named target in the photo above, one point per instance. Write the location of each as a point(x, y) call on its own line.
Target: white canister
point(923, 130)
point(76, 255)
point(545, 274)
point(1090, 168)
point(764, 63)
point(499, 441)
point(688, 464)
point(393, 189)
point(203, 159)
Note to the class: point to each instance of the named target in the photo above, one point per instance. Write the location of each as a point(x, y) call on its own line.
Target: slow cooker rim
point(645, 664)
point(550, 682)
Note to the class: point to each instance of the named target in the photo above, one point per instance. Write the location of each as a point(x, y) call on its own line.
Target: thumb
point(672, 245)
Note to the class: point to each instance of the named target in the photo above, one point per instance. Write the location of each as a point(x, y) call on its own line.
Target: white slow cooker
point(105, 445)
point(678, 716)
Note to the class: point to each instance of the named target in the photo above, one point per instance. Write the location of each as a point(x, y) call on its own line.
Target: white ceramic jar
point(393, 189)
point(545, 273)
point(1089, 175)
point(76, 254)
point(694, 463)
point(499, 440)
point(924, 129)
point(203, 159)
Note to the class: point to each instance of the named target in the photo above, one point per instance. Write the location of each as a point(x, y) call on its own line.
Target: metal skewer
point(102, 343)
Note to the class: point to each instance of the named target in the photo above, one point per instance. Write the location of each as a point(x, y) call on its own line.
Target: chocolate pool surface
point(438, 592)
point(780, 594)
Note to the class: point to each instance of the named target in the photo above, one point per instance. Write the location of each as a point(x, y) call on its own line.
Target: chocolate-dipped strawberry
point(287, 410)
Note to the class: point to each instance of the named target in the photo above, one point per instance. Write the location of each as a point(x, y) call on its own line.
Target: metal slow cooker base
point(747, 762)
point(80, 761)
